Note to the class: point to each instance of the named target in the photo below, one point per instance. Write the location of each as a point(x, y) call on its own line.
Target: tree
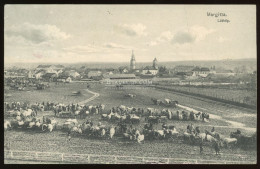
point(162, 69)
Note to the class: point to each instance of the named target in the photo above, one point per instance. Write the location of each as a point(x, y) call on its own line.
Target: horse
point(189, 137)
point(228, 142)
point(213, 134)
point(206, 137)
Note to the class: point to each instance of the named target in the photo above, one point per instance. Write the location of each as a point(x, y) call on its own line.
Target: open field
point(236, 95)
point(224, 118)
point(61, 93)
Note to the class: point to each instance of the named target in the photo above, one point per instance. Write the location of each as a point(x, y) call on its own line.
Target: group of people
point(196, 130)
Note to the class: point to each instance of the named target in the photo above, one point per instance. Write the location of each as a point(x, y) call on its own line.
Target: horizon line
point(125, 61)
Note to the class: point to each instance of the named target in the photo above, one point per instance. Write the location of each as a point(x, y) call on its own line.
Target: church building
point(148, 70)
point(151, 70)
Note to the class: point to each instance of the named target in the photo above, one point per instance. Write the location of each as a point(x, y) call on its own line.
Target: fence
point(109, 159)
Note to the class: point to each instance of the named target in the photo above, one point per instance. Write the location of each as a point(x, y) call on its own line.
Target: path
point(233, 124)
point(89, 99)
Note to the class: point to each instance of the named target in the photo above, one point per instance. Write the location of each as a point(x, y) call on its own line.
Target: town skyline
point(108, 33)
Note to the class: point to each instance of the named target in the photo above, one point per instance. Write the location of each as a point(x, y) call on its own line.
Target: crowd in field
point(123, 119)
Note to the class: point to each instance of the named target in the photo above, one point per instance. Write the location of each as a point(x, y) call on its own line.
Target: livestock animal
point(156, 102)
point(176, 115)
point(153, 119)
point(132, 119)
point(48, 127)
point(127, 136)
point(228, 142)
point(18, 118)
point(243, 140)
point(190, 137)
point(213, 134)
point(130, 95)
point(159, 134)
point(20, 123)
point(31, 124)
point(7, 125)
point(111, 132)
point(206, 137)
point(140, 138)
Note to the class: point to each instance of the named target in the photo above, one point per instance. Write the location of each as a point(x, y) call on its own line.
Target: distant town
point(180, 74)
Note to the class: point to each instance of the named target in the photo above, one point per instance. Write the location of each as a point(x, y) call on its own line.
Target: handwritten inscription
point(221, 17)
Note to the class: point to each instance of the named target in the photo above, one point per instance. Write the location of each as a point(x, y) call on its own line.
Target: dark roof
point(59, 66)
point(196, 69)
point(122, 76)
point(44, 66)
point(188, 73)
point(41, 70)
point(204, 69)
point(48, 75)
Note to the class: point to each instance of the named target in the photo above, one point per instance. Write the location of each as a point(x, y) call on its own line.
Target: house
point(191, 75)
point(123, 69)
point(49, 77)
point(30, 75)
point(51, 68)
point(203, 72)
point(72, 73)
point(94, 74)
point(150, 70)
point(39, 74)
point(107, 74)
point(64, 79)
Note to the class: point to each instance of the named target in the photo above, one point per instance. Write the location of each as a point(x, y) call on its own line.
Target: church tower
point(132, 62)
point(155, 62)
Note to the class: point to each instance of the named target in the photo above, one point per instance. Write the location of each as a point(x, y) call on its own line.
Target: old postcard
point(130, 84)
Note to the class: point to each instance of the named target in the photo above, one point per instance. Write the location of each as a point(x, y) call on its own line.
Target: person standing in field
point(201, 148)
point(216, 147)
point(69, 135)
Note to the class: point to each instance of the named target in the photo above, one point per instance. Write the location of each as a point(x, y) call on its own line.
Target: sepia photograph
point(130, 84)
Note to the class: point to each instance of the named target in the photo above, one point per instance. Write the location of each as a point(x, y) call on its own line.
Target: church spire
point(132, 62)
point(133, 56)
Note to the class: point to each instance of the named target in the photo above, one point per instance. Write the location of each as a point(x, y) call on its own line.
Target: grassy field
point(61, 93)
point(57, 140)
point(236, 95)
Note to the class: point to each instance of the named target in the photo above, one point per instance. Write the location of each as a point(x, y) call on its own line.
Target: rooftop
point(122, 76)
point(149, 68)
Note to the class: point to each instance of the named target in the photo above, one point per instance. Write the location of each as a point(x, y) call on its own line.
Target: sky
point(109, 33)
